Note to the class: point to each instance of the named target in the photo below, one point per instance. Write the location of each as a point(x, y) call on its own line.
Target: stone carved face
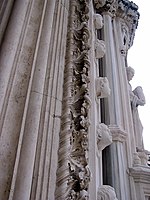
point(130, 73)
point(102, 87)
point(104, 137)
point(138, 91)
point(98, 21)
point(106, 192)
point(83, 195)
point(100, 49)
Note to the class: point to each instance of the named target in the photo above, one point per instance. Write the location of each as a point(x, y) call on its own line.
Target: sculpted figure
point(102, 87)
point(106, 192)
point(137, 98)
point(98, 21)
point(100, 49)
point(104, 137)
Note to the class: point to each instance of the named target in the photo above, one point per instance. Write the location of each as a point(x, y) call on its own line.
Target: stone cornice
point(140, 174)
point(124, 9)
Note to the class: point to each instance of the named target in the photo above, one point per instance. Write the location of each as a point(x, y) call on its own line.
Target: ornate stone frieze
point(102, 87)
point(73, 174)
point(104, 137)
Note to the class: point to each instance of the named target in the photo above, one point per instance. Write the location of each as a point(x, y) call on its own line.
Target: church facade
point(69, 122)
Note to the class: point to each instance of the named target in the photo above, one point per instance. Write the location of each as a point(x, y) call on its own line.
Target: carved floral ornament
point(73, 174)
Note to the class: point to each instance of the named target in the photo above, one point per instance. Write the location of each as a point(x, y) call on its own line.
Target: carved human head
point(98, 21)
point(102, 87)
point(100, 48)
point(130, 73)
point(83, 195)
point(104, 137)
point(106, 192)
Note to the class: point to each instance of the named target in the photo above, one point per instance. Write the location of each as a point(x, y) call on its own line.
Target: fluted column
point(31, 96)
point(5, 11)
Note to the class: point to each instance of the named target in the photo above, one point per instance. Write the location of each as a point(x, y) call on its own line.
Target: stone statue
point(100, 48)
point(102, 87)
point(98, 21)
point(137, 98)
point(106, 192)
point(104, 137)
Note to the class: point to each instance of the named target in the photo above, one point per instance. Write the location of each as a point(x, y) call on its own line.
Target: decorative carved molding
point(104, 137)
point(140, 174)
point(136, 159)
point(73, 174)
point(100, 48)
point(124, 9)
point(102, 87)
point(106, 192)
point(117, 133)
point(98, 21)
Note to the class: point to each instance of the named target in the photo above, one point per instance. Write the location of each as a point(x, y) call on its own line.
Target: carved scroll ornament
point(73, 174)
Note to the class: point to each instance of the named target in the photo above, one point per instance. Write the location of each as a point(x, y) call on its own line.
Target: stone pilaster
point(31, 98)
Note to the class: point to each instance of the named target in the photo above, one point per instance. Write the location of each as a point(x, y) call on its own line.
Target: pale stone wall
point(31, 78)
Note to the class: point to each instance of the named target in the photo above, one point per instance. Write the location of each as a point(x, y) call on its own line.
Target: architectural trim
point(117, 133)
point(73, 173)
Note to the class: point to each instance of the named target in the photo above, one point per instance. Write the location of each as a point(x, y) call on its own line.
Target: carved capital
point(104, 137)
point(102, 87)
point(108, 6)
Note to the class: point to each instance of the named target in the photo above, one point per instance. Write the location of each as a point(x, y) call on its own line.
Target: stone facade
point(69, 123)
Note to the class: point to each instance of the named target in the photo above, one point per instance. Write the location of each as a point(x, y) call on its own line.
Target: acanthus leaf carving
point(73, 175)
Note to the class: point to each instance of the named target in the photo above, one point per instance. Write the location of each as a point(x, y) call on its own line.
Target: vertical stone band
point(73, 174)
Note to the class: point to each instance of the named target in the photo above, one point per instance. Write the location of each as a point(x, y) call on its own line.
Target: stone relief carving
point(102, 87)
point(98, 21)
point(73, 174)
point(137, 98)
point(123, 9)
point(104, 137)
point(100, 48)
point(106, 192)
point(125, 40)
